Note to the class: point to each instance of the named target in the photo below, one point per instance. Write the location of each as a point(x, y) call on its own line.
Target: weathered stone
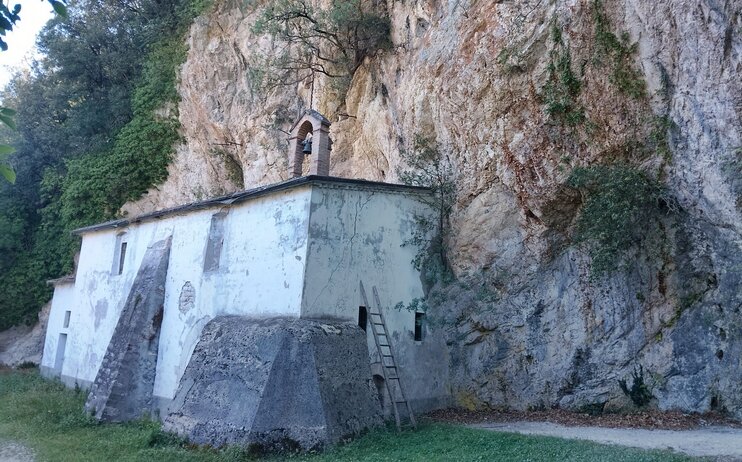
point(279, 383)
point(24, 344)
point(122, 389)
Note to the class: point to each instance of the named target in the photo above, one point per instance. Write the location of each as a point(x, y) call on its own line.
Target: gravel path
point(10, 451)
point(721, 442)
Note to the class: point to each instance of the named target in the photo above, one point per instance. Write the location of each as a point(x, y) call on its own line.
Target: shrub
point(639, 392)
point(81, 182)
point(429, 168)
point(562, 87)
point(624, 74)
point(332, 40)
point(621, 207)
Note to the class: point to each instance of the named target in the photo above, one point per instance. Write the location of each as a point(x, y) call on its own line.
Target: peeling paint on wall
point(187, 299)
point(101, 311)
point(298, 252)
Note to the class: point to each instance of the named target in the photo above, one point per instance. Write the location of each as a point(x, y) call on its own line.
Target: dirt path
point(721, 442)
point(11, 451)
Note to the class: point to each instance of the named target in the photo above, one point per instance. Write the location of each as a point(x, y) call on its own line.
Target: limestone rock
point(275, 384)
point(24, 344)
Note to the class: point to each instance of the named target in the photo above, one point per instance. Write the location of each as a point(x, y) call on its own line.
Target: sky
point(22, 39)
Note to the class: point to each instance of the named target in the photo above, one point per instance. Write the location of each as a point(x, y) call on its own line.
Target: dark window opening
point(419, 326)
point(67, 319)
point(215, 242)
point(119, 254)
point(362, 317)
point(122, 257)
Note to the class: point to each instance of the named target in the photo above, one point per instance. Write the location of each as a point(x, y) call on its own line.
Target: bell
point(307, 146)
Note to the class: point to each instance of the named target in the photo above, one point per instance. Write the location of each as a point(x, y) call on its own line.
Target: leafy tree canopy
point(89, 136)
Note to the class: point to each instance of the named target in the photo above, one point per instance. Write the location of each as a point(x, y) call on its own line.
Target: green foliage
point(7, 117)
point(332, 40)
point(32, 259)
point(622, 206)
point(639, 391)
point(429, 167)
point(6, 171)
point(658, 136)
point(98, 184)
point(97, 125)
point(620, 52)
point(86, 190)
point(562, 87)
point(417, 305)
point(9, 18)
point(47, 417)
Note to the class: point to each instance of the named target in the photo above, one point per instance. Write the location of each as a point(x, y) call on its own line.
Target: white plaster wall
point(63, 301)
point(357, 234)
point(336, 234)
point(260, 273)
point(100, 294)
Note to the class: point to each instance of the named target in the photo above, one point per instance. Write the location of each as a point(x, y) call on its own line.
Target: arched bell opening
point(303, 150)
point(309, 145)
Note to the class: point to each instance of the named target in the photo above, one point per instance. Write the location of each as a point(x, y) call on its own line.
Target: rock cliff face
point(527, 325)
point(24, 344)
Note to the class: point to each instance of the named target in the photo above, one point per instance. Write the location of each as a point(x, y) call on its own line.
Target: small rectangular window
point(419, 317)
point(119, 254)
point(67, 319)
point(122, 257)
point(362, 317)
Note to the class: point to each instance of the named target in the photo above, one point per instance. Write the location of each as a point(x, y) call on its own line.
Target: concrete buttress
point(123, 387)
point(277, 383)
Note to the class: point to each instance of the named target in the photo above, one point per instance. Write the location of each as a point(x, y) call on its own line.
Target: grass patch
point(48, 417)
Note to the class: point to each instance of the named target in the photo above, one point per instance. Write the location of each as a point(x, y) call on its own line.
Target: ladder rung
point(390, 371)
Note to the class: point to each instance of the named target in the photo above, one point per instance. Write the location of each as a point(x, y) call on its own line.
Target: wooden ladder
point(388, 365)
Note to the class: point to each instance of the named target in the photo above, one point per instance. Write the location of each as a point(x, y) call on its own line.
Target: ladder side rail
point(381, 359)
point(391, 352)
